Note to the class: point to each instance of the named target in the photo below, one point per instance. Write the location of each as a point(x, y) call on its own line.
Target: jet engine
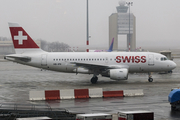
point(116, 74)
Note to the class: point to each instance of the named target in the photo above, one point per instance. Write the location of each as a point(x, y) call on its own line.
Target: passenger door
point(151, 60)
point(43, 60)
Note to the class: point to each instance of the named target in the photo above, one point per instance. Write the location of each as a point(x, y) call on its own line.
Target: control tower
point(122, 23)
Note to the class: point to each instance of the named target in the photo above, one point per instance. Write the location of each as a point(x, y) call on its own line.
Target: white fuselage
point(134, 61)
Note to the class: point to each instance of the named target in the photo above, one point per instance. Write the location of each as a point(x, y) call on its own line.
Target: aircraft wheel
point(150, 79)
point(94, 80)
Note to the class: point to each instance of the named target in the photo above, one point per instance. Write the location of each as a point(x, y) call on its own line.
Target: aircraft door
point(151, 59)
point(44, 60)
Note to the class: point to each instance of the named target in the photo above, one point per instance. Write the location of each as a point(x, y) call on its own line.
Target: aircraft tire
point(150, 79)
point(94, 80)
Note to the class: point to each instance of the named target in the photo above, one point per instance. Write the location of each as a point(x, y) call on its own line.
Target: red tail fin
point(21, 39)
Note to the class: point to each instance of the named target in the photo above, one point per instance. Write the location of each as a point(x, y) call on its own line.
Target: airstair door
point(44, 60)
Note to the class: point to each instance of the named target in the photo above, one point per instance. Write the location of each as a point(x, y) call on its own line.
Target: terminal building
point(6, 47)
point(119, 25)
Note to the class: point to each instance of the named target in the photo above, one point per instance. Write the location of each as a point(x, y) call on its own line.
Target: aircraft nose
point(173, 65)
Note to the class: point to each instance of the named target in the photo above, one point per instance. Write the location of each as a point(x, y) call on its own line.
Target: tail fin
point(111, 46)
point(21, 40)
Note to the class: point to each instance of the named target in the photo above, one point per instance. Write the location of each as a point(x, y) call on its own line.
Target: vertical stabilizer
point(111, 46)
point(21, 40)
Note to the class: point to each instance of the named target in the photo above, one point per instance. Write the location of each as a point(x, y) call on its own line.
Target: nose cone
point(173, 65)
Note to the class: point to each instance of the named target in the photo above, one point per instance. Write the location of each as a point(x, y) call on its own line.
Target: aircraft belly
point(134, 68)
point(138, 68)
point(62, 67)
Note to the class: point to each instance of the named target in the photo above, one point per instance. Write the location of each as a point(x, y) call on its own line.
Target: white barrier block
point(95, 92)
point(37, 95)
point(67, 94)
point(133, 92)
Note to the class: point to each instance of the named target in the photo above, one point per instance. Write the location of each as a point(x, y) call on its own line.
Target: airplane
point(115, 65)
point(109, 50)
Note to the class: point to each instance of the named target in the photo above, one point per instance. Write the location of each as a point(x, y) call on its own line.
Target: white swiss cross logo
point(20, 37)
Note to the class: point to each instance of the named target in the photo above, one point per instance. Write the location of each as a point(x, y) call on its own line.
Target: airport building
point(122, 23)
point(6, 47)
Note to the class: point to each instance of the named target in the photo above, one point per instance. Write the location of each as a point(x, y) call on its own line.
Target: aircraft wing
point(101, 67)
point(18, 57)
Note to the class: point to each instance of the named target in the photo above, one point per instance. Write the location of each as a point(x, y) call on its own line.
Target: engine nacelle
point(119, 74)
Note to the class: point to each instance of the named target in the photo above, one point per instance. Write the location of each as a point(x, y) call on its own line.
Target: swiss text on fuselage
point(132, 59)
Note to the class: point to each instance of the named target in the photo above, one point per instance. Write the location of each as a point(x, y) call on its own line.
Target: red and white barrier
point(37, 95)
point(113, 93)
point(81, 93)
point(52, 95)
point(95, 92)
point(133, 92)
point(67, 94)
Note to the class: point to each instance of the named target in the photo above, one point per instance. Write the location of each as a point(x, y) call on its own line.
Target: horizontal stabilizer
point(18, 57)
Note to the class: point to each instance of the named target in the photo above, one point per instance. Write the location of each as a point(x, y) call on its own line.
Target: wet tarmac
point(17, 80)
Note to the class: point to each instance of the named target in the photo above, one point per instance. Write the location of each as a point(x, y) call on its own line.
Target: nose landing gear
point(150, 77)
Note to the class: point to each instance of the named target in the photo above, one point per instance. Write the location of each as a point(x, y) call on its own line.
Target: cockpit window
point(164, 58)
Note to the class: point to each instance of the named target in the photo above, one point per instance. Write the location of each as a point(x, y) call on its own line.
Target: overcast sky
point(157, 21)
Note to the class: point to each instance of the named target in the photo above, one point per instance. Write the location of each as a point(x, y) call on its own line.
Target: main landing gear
point(94, 79)
point(150, 77)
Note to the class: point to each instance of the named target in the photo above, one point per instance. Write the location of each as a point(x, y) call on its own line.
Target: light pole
point(87, 50)
point(129, 4)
